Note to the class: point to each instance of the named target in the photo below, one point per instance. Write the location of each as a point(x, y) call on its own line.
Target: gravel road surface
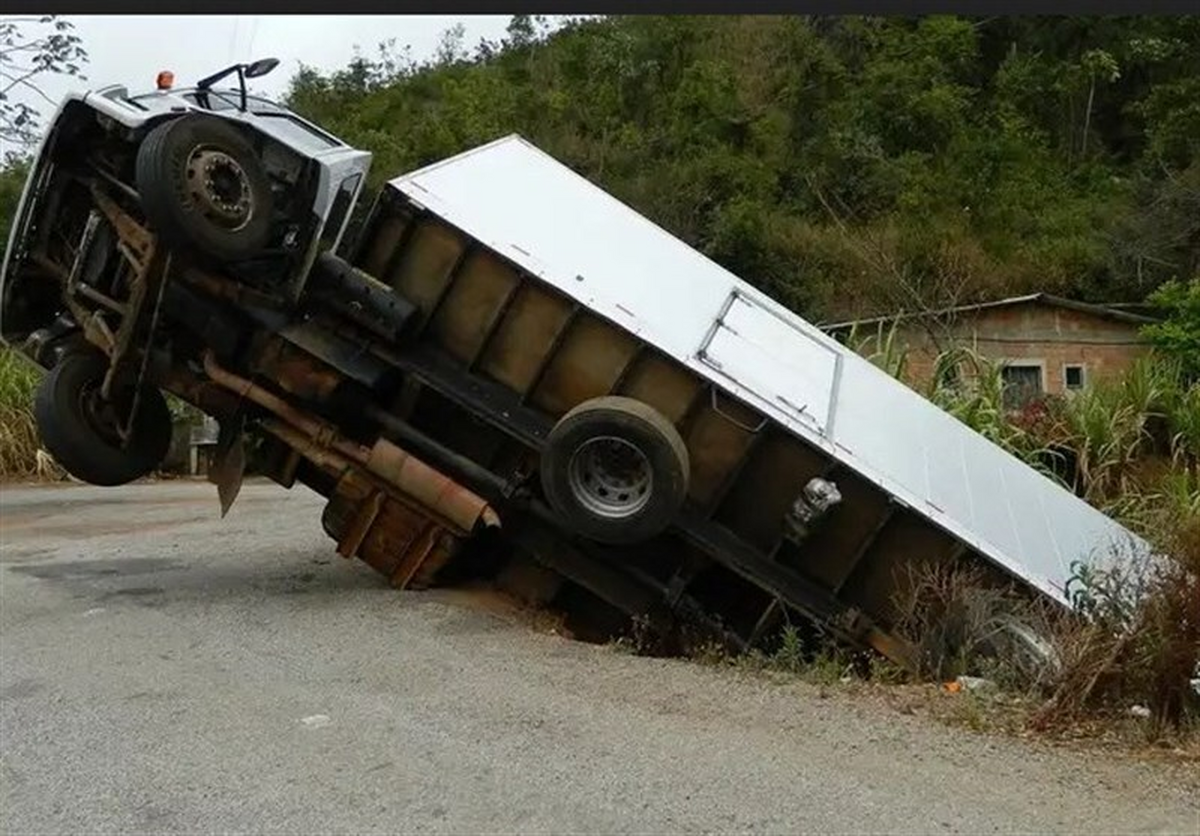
point(163, 670)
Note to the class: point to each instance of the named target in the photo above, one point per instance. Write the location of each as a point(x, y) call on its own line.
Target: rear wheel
point(80, 428)
point(615, 470)
point(202, 187)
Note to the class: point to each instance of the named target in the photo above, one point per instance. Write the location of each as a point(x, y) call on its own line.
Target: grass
point(1131, 447)
point(18, 434)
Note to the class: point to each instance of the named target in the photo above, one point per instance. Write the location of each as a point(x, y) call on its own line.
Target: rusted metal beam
point(150, 329)
point(137, 241)
point(360, 524)
point(415, 557)
point(147, 283)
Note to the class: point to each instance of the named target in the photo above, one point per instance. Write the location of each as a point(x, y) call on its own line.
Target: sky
point(131, 50)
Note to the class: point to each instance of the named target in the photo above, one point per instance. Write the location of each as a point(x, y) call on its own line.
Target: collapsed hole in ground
point(792, 643)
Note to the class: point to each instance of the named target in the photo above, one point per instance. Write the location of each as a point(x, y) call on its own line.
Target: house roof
point(1118, 312)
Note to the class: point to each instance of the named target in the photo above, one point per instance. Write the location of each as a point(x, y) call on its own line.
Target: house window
point(1073, 377)
point(1022, 384)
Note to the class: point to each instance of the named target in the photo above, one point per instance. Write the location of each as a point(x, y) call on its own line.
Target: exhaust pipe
point(409, 475)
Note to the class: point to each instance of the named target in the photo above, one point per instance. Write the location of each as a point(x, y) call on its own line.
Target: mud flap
point(229, 463)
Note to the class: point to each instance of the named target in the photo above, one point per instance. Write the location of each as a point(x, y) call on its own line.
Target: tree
point(525, 30)
point(450, 46)
point(851, 166)
point(1178, 335)
point(31, 47)
point(12, 180)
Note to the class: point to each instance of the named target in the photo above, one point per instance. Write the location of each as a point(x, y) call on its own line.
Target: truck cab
point(133, 201)
point(220, 176)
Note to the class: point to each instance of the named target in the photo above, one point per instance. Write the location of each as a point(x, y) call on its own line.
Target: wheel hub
point(219, 187)
point(103, 415)
point(610, 477)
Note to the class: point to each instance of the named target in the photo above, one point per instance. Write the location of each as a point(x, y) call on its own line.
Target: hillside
point(846, 165)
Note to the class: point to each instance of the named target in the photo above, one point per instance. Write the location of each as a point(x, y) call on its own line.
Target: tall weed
point(18, 434)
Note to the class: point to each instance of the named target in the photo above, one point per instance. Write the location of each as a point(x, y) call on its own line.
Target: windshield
point(231, 100)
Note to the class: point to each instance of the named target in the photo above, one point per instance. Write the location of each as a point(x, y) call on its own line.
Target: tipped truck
point(503, 347)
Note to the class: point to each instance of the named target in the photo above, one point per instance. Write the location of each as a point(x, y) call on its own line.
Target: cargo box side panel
point(663, 384)
point(468, 309)
point(533, 325)
point(586, 364)
point(531, 209)
point(430, 254)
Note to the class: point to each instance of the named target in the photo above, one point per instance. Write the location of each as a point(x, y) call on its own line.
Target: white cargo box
point(555, 224)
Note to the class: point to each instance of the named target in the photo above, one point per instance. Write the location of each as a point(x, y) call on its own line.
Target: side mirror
point(260, 67)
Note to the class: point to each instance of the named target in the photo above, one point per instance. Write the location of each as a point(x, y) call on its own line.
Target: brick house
point(1044, 344)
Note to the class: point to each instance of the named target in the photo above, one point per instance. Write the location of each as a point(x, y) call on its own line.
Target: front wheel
point(202, 187)
point(80, 429)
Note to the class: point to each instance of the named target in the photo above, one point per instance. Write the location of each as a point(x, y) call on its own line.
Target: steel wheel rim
point(610, 477)
point(219, 187)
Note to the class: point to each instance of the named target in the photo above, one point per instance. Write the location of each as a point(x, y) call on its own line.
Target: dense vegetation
point(847, 165)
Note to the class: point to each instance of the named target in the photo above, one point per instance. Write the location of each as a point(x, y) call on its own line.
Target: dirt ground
point(164, 670)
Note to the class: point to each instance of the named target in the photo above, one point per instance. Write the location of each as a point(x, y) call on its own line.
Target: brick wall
point(1049, 336)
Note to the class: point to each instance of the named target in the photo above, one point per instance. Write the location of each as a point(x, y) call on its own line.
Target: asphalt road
point(162, 670)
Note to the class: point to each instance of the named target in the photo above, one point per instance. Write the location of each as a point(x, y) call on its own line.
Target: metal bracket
point(229, 462)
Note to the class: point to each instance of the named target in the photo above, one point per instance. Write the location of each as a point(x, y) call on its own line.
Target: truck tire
point(615, 470)
point(203, 188)
point(79, 430)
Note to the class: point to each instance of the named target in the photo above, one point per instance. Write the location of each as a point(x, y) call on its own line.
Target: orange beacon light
point(166, 80)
